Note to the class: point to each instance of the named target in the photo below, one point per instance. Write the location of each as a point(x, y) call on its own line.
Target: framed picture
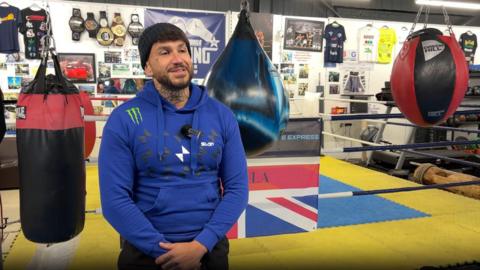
point(78, 67)
point(303, 35)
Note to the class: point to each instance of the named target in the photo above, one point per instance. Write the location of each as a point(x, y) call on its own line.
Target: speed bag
point(429, 77)
point(50, 145)
point(244, 79)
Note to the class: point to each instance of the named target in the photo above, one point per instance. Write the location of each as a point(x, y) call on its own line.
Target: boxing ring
point(391, 231)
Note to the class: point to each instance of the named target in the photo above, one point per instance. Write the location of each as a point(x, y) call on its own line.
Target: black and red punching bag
point(429, 77)
point(3, 125)
point(90, 127)
point(50, 147)
point(244, 79)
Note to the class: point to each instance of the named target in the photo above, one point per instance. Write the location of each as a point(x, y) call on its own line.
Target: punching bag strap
point(244, 5)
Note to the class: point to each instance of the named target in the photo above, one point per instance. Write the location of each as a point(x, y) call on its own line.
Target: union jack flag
point(282, 199)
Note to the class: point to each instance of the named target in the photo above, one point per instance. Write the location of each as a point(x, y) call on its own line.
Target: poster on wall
point(355, 82)
point(303, 35)
point(205, 31)
point(262, 24)
point(78, 67)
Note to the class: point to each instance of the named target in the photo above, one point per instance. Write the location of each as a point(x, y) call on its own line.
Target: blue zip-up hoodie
point(158, 185)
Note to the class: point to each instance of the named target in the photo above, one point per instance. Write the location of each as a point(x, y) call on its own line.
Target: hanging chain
point(47, 41)
point(427, 12)
point(447, 20)
point(417, 18)
point(244, 5)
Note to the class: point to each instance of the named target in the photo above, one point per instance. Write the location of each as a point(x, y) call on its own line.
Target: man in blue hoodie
point(172, 168)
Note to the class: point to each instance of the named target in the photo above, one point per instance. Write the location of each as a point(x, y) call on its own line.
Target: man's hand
point(186, 255)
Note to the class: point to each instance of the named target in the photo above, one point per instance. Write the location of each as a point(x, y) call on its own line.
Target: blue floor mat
point(357, 210)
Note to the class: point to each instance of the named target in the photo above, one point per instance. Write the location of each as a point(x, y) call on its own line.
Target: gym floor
point(393, 231)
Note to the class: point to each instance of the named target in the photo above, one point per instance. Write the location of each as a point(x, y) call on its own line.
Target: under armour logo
point(184, 152)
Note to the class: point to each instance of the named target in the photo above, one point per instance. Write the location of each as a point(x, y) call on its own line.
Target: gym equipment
point(90, 128)
point(50, 145)
point(244, 79)
point(430, 76)
point(430, 174)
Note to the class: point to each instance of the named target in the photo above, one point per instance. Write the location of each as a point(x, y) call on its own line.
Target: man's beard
point(166, 83)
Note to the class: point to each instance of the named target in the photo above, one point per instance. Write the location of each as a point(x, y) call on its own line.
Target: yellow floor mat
point(450, 235)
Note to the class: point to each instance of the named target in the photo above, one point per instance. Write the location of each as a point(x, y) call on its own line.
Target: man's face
point(170, 64)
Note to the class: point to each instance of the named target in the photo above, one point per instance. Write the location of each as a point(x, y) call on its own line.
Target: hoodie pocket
point(184, 199)
point(158, 203)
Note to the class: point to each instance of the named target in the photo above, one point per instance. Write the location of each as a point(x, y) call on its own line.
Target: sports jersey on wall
point(386, 42)
point(367, 43)
point(10, 20)
point(334, 35)
point(33, 28)
point(468, 42)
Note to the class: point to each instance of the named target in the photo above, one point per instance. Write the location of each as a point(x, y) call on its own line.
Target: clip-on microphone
point(189, 132)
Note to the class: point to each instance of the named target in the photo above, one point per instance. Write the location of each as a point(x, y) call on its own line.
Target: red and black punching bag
point(50, 147)
point(244, 79)
point(3, 125)
point(90, 128)
point(429, 77)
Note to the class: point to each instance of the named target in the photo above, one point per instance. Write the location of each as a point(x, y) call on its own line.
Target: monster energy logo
point(135, 115)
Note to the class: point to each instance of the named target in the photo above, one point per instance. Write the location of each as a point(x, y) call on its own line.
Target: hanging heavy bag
point(50, 147)
point(3, 125)
point(429, 77)
point(244, 79)
point(90, 127)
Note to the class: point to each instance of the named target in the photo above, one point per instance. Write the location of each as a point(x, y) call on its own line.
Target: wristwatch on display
point(105, 35)
point(119, 30)
point(135, 28)
point(76, 24)
point(91, 25)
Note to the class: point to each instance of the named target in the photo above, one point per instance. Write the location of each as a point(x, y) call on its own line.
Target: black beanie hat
point(159, 32)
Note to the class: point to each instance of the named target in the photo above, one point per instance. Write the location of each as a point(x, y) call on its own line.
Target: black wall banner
point(300, 139)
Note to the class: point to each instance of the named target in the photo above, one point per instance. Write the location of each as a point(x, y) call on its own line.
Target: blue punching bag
point(244, 79)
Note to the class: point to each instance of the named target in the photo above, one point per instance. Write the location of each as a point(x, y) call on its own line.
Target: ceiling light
point(450, 4)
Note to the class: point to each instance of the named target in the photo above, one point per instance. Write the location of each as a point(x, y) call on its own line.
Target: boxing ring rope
point(403, 147)
point(432, 127)
point(394, 190)
point(109, 98)
point(357, 101)
point(377, 146)
point(371, 146)
point(95, 117)
point(366, 116)
point(386, 103)
point(398, 146)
